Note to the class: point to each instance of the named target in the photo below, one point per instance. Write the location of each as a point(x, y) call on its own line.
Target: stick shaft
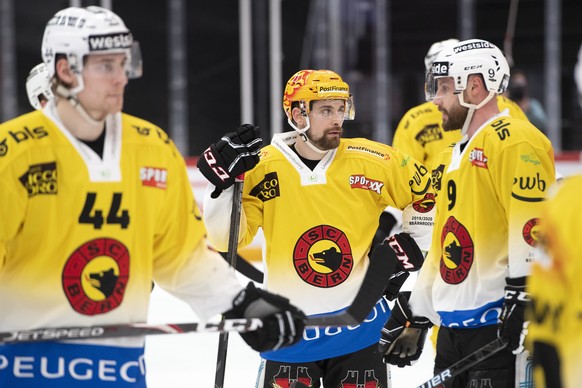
point(464, 364)
point(231, 258)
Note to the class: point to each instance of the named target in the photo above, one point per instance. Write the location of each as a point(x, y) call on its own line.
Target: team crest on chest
point(95, 276)
point(457, 252)
point(323, 256)
point(531, 232)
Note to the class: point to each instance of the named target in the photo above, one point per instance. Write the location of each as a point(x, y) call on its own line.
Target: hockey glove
point(235, 153)
point(283, 323)
point(403, 335)
point(395, 284)
point(409, 255)
point(512, 324)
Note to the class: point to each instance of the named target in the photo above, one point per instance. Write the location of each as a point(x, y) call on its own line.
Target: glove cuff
point(516, 283)
point(244, 299)
point(403, 314)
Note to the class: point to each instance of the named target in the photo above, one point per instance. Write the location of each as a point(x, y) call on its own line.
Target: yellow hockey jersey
point(556, 318)
point(318, 227)
point(420, 133)
point(82, 238)
point(489, 192)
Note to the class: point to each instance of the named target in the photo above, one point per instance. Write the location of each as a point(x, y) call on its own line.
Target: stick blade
point(379, 271)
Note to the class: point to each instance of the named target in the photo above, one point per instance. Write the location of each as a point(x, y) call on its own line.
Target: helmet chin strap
point(303, 136)
point(472, 109)
point(71, 96)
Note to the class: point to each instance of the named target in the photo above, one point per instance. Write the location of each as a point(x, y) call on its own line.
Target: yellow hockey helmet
point(308, 85)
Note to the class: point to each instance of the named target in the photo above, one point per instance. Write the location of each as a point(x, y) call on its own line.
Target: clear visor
point(350, 112)
point(430, 86)
point(345, 112)
point(134, 66)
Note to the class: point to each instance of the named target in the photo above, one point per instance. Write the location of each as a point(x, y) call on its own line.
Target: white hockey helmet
point(473, 56)
point(578, 75)
point(76, 32)
point(38, 86)
point(435, 49)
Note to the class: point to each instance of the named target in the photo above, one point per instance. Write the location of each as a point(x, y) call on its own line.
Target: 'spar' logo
point(40, 179)
point(361, 182)
point(154, 177)
point(477, 158)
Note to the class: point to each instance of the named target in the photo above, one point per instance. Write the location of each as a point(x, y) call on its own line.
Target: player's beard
point(455, 118)
point(325, 142)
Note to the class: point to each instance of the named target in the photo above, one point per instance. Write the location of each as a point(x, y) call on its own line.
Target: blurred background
point(210, 65)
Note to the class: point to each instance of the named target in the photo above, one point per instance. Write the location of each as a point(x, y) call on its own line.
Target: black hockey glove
point(409, 254)
point(403, 335)
point(512, 324)
point(395, 284)
point(283, 323)
point(235, 153)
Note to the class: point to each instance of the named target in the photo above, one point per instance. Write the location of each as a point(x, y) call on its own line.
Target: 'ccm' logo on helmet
point(440, 68)
point(110, 41)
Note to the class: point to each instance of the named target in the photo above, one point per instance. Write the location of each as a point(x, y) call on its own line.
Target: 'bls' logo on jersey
point(268, 188)
point(361, 182)
point(40, 179)
point(154, 177)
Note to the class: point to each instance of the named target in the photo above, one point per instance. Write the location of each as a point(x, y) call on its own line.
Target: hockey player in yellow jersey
point(420, 133)
point(555, 332)
point(95, 205)
point(489, 190)
point(556, 320)
point(317, 196)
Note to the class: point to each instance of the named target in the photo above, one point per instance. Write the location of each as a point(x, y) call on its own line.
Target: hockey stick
point(369, 293)
point(510, 32)
point(127, 330)
point(465, 363)
point(247, 269)
point(371, 290)
point(231, 257)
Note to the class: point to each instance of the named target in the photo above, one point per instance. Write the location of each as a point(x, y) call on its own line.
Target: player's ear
point(298, 117)
point(64, 72)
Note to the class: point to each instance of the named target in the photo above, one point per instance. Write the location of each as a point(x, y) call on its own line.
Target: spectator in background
point(519, 92)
